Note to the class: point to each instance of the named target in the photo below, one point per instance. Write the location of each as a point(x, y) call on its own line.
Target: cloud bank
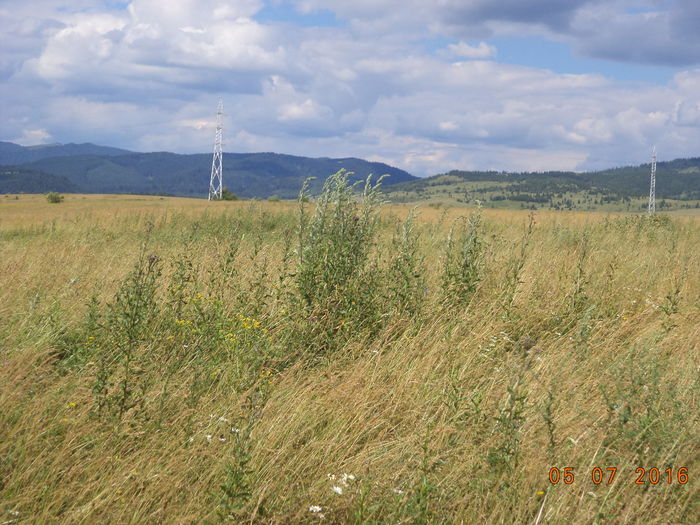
point(414, 83)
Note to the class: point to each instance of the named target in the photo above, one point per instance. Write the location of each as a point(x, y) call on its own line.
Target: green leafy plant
point(462, 260)
point(54, 198)
point(227, 195)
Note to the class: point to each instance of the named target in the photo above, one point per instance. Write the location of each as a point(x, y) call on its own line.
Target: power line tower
point(652, 185)
point(215, 182)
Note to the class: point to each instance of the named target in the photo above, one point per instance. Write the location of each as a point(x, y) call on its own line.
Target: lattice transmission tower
point(216, 183)
point(652, 184)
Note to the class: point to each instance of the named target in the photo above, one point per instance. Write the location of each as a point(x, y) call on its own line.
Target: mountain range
point(88, 168)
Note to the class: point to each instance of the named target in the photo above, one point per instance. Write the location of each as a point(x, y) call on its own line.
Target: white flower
point(397, 491)
point(208, 436)
point(315, 508)
point(222, 419)
point(235, 430)
point(337, 489)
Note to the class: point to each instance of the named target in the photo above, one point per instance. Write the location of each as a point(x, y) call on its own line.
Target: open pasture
point(169, 360)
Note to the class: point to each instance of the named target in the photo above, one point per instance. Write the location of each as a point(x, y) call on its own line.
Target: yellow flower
point(540, 492)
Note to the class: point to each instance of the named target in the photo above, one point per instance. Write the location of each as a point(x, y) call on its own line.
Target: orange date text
point(607, 475)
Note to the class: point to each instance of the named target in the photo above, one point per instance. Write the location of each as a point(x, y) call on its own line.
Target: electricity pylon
point(216, 183)
point(652, 185)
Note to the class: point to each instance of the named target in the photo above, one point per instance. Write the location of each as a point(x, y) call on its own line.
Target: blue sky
point(427, 86)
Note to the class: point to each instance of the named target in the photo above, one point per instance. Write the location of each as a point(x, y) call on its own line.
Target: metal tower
point(652, 185)
point(215, 183)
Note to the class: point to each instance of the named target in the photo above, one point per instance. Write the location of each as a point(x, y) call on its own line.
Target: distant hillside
point(246, 174)
point(17, 179)
point(11, 154)
point(618, 189)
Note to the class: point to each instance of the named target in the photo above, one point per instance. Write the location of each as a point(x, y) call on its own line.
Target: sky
point(424, 85)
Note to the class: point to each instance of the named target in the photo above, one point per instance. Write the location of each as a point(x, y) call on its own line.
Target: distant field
point(168, 360)
point(450, 192)
point(615, 190)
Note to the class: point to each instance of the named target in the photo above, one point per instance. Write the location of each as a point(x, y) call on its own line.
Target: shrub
point(336, 280)
point(462, 260)
point(227, 195)
point(54, 198)
point(405, 279)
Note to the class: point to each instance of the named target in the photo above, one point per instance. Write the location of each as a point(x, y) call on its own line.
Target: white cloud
point(31, 137)
point(462, 49)
point(147, 78)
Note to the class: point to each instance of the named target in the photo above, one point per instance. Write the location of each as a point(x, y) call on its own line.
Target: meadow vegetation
point(336, 359)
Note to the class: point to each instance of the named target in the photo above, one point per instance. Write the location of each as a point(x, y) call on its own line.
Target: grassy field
point(450, 190)
point(169, 360)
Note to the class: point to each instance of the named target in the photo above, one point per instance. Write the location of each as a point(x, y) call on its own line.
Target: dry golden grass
point(587, 356)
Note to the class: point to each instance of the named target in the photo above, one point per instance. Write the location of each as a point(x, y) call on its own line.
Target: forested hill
point(247, 174)
point(90, 168)
point(15, 154)
point(627, 188)
point(17, 179)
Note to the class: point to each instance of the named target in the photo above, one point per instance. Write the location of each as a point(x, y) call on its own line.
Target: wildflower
point(337, 489)
point(14, 512)
point(208, 436)
point(315, 508)
point(345, 477)
point(222, 419)
point(397, 491)
point(540, 492)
